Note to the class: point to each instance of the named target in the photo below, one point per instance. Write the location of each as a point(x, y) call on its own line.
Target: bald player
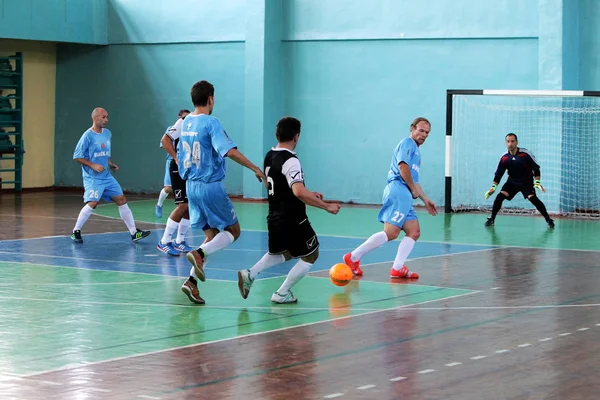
point(93, 153)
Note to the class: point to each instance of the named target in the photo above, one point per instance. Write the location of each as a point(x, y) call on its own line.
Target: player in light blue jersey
point(397, 212)
point(93, 153)
point(201, 153)
point(168, 187)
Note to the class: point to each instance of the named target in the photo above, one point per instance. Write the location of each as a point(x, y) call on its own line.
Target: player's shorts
point(178, 184)
point(512, 189)
point(168, 172)
point(96, 189)
point(299, 239)
point(397, 205)
point(210, 205)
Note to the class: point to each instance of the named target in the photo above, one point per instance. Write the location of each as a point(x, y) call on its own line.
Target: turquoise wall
point(589, 44)
point(76, 21)
point(355, 72)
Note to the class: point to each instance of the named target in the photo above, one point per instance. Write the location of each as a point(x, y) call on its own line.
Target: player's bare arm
point(241, 159)
point(312, 198)
point(168, 146)
point(112, 165)
point(87, 163)
point(429, 204)
point(405, 174)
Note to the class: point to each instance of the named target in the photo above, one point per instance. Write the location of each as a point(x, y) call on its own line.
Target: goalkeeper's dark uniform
point(522, 168)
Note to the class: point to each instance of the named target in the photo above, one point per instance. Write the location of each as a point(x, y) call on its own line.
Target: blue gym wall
point(144, 78)
point(77, 21)
point(355, 72)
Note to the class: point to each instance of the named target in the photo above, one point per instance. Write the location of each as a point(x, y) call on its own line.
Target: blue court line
point(116, 252)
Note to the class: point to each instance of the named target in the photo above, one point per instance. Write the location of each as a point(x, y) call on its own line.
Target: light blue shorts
point(397, 205)
point(96, 189)
point(209, 205)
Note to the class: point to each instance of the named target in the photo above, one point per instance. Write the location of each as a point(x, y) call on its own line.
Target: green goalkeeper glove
point(538, 185)
point(492, 190)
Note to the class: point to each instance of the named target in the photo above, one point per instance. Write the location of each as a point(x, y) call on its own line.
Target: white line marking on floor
point(583, 329)
point(365, 387)
point(478, 357)
point(453, 364)
point(564, 334)
point(398, 378)
point(426, 371)
point(502, 351)
point(545, 339)
point(524, 345)
point(333, 395)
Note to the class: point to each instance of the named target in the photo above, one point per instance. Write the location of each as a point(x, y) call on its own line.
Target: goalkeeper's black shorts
point(513, 188)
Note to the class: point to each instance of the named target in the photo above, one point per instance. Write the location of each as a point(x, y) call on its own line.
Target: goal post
point(561, 128)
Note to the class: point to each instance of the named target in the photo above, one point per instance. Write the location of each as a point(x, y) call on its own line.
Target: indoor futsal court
point(510, 311)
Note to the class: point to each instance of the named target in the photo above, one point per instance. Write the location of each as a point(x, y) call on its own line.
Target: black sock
point(497, 204)
point(193, 280)
point(540, 206)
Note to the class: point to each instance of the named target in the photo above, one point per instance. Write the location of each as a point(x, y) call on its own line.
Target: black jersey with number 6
point(283, 169)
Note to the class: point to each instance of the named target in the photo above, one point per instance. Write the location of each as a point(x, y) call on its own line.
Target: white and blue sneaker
point(167, 249)
point(182, 247)
point(158, 211)
point(244, 282)
point(284, 298)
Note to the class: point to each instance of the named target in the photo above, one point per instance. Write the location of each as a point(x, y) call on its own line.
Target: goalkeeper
point(523, 176)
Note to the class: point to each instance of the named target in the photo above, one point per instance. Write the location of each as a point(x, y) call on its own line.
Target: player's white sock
point(84, 214)
point(376, 240)
point(162, 197)
point(169, 230)
point(404, 249)
point(184, 226)
point(266, 262)
point(127, 216)
point(296, 273)
point(220, 241)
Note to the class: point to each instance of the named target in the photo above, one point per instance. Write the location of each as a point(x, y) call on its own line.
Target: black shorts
point(300, 240)
point(513, 188)
point(178, 184)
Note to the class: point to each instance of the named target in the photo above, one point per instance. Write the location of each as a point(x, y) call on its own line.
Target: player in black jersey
point(290, 232)
point(523, 176)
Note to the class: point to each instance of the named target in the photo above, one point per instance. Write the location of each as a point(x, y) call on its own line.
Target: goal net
point(560, 128)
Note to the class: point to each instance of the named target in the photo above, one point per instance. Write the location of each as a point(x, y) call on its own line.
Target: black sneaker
point(489, 222)
point(139, 235)
point(76, 237)
point(550, 223)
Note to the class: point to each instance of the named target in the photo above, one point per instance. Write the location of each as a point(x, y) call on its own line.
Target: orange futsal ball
point(340, 274)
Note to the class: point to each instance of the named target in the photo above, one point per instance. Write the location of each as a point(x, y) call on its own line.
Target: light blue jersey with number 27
point(202, 148)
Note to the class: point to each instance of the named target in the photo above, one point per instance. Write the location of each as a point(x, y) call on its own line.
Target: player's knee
point(311, 258)
point(92, 204)
point(414, 234)
point(534, 199)
point(168, 189)
point(234, 230)
point(120, 200)
point(392, 231)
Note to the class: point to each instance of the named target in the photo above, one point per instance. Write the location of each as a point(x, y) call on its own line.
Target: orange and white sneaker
point(403, 272)
point(354, 265)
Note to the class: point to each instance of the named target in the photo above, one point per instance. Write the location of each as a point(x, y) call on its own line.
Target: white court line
point(166, 278)
point(105, 270)
point(493, 246)
point(235, 338)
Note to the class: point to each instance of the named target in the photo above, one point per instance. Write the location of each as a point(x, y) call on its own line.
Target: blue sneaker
point(167, 249)
point(158, 211)
point(183, 247)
